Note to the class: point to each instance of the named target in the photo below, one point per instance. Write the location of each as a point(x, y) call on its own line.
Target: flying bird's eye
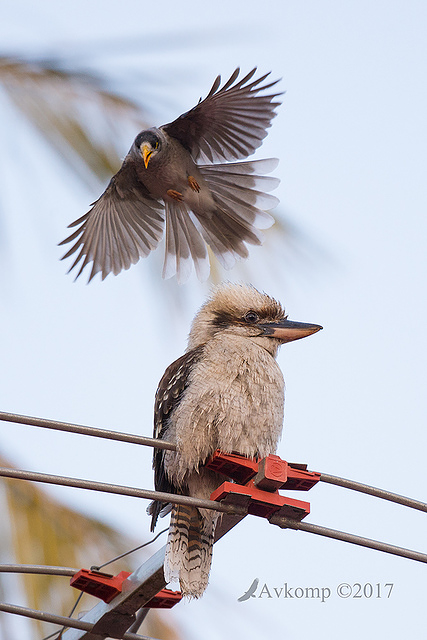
point(156, 146)
point(251, 317)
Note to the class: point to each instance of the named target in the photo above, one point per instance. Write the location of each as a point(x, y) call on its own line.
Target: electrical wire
point(59, 633)
point(71, 572)
point(56, 634)
point(123, 555)
point(206, 504)
point(121, 490)
point(163, 444)
point(373, 491)
point(87, 431)
point(281, 521)
point(290, 523)
point(63, 621)
point(37, 569)
point(139, 619)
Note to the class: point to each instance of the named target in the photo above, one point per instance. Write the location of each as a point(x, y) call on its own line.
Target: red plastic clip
point(272, 473)
point(268, 474)
point(165, 599)
point(233, 465)
point(106, 587)
point(299, 479)
point(263, 503)
point(101, 585)
point(256, 483)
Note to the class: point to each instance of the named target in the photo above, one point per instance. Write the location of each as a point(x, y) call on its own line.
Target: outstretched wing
point(230, 123)
point(124, 225)
point(169, 391)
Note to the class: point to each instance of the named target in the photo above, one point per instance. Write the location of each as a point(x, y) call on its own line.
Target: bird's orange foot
point(193, 184)
point(175, 195)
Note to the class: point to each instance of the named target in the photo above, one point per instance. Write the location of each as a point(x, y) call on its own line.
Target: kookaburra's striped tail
point(189, 549)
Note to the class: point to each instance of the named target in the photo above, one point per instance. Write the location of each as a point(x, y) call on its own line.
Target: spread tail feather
point(240, 210)
point(184, 244)
point(189, 550)
point(239, 192)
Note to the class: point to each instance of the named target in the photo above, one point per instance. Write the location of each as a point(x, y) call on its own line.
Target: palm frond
point(44, 531)
point(84, 122)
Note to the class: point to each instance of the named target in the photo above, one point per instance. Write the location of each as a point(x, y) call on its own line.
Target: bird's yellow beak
point(146, 152)
point(288, 330)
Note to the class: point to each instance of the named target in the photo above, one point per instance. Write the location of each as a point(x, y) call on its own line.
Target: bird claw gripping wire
point(258, 484)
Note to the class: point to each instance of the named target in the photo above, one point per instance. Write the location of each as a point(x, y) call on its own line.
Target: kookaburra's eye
point(251, 317)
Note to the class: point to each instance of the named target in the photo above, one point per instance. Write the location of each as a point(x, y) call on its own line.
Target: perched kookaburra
point(226, 392)
point(222, 205)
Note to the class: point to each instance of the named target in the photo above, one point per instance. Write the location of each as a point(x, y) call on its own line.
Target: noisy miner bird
point(226, 392)
point(222, 205)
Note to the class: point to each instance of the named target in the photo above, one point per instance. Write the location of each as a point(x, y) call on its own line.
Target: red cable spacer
point(257, 484)
point(263, 503)
point(299, 479)
point(101, 585)
point(233, 465)
point(106, 587)
point(269, 474)
point(165, 599)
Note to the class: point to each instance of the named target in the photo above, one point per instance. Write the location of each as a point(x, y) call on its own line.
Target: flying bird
point(161, 183)
point(226, 392)
point(250, 593)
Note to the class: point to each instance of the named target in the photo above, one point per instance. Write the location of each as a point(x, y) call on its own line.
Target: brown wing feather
point(230, 123)
point(124, 224)
point(169, 391)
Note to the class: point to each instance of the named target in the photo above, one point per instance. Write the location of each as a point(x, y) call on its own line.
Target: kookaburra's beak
point(146, 152)
point(288, 330)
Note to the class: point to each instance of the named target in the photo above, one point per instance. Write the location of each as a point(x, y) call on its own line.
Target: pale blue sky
point(351, 138)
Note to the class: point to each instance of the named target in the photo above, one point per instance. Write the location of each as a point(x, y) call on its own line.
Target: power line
point(208, 504)
point(58, 633)
point(86, 431)
point(113, 619)
point(37, 569)
point(68, 571)
point(60, 620)
point(373, 491)
point(139, 619)
point(149, 577)
point(163, 444)
point(123, 555)
point(290, 523)
point(117, 616)
point(121, 490)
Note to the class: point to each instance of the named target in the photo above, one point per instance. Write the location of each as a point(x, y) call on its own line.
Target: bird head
point(148, 144)
point(242, 310)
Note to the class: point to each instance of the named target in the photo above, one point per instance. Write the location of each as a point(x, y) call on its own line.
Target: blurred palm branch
point(84, 122)
point(43, 531)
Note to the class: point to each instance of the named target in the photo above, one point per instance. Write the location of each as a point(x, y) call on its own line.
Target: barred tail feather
point(189, 550)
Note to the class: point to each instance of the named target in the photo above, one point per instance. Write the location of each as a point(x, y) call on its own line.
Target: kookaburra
point(223, 205)
point(226, 392)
